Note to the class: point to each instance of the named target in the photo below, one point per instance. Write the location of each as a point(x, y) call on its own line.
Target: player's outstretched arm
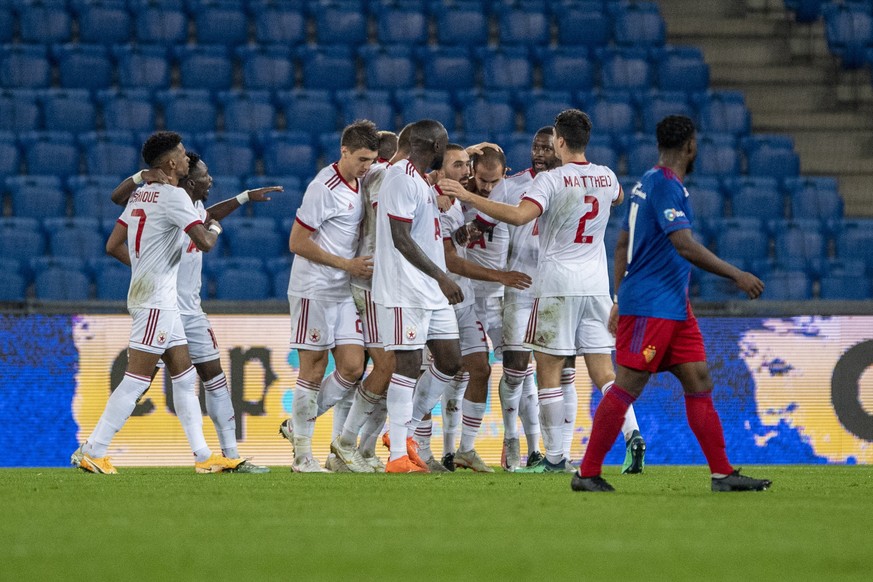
point(401, 235)
point(301, 243)
point(700, 256)
point(127, 187)
point(116, 246)
point(220, 210)
point(515, 215)
point(460, 266)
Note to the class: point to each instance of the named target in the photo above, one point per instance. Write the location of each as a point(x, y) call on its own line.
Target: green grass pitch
point(171, 524)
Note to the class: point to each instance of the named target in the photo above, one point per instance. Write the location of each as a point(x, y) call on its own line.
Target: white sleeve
point(398, 199)
point(180, 209)
point(317, 206)
point(540, 190)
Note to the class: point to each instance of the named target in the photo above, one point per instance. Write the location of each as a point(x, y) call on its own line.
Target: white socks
point(422, 436)
point(399, 413)
point(188, 411)
point(552, 422)
point(430, 386)
point(529, 411)
point(333, 389)
point(451, 408)
point(472, 420)
point(340, 413)
point(372, 429)
point(364, 403)
point(304, 409)
point(118, 409)
point(220, 409)
point(568, 387)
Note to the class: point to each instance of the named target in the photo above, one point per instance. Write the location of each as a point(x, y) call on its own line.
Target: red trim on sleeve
point(304, 225)
point(193, 224)
point(122, 223)
point(447, 238)
point(535, 202)
point(439, 190)
point(488, 222)
point(400, 218)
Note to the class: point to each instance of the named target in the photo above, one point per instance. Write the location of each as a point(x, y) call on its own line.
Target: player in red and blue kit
point(652, 319)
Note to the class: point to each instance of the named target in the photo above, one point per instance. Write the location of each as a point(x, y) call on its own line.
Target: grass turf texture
point(662, 525)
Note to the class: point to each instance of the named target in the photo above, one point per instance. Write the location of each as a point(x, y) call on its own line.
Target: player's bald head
point(427, 141)
point(403, 139)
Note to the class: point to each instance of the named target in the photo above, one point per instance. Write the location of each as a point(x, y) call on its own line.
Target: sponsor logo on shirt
point(672, 214)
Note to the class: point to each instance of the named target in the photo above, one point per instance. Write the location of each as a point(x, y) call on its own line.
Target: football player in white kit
point(571, 310)
point(323, 315)
point(157, 218)
point(202, 343)
point(411, 289)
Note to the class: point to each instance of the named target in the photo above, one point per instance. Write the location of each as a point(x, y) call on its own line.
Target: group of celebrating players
point(414, 251)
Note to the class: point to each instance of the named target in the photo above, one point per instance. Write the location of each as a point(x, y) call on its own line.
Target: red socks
point(706, 426)
point(607, 424)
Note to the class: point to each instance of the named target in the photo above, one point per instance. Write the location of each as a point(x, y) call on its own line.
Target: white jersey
point(370, 186)
point(190, 276)
point(489, 251)
point(332, 209)
point(405, 195)
point(450, 221)
point(575, 200)
point(524, 244)
point(157, 217)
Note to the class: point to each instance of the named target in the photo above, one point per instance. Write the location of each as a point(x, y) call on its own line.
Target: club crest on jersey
point(313, 334)
point(411, 332)
point(672, 214)
point(162, 337)
point(649, 353)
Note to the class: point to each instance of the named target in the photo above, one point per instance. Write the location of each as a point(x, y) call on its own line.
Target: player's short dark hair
point(387, 144)
point(490, 158)
point(158, 144)
point(674, 131)
point(361, 134)
point(193, 159)
point(546, 130)
point(575, 127)
point(454, 147)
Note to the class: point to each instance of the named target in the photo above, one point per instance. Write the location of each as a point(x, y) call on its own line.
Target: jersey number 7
point(139, 213)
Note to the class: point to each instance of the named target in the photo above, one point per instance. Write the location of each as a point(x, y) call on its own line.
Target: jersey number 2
point(139, 213)
point(581, 237)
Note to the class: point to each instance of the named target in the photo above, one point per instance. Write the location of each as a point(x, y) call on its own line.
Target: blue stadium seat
point(505, 68)
point(854, 241)
point(800, 245)
point(682, 68)
point(488, 113)
point(104, 22)
point(7, 24)
point(220, 22)
point(639, 24)
point(330, 67)
point(127, 109)
point(415, 104)
point(238, 284)
point(283, 204)
point(68, 110)
point(205, 67)
point(224, 186)
point(525, 25)
point(188, 110)
point(160, 25)
point(112, 278)
point(516, 147)
point(724, 112)
point(247, 111)
point(279, 269)
point(771, 155)
point(402, 25)
point(584, 24)
point(278, 23)
point(254, 237)
point(787, 286)
point(10, 156)
point(624, 69)
point(614, 114)
point(91, 196)
point(715, 288)
point(388, 67)
point(805, 11)
point(290, 153)
point(75, 237)
point(19, 110)
point(740, 238)
point(111, 152)
point(266, 67)
point(373, 105)
point(143, 66)
point(310, 110)
point(566, 69)
point(50, 153)
point(21, 239)
point(757, 197)
point(228, 153)
point(601, 150)
point(464, 25)
point(717, 155)
point(814, 197)
point(83, 66)
point(659, 104)
point(447, 68)
point(706, 198)
point(13, 283)
point(844, 286)
point(541, 107)
point(340, 24)
point(642, 154)
point(61, 279)
point(848, 32)
point(44, 22)
point(24, 66)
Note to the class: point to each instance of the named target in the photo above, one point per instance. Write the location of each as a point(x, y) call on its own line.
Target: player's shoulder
point(523, 176)
point(663, 179)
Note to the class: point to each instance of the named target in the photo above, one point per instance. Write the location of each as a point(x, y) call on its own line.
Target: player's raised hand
point(454, 188)
point(477, 149)
point(516, 280)
point(361, 267)
point(451, 290)
point(155, 175)
point(261, 194)
point(749, 283)
point(612, 324)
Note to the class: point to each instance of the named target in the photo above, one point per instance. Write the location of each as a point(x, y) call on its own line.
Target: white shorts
point(367, 312)
point(490, 309)
point(156, 330)
point(412, 327)
point(471, 330)
point(323, 325)
point(202, 344)
point(516, 316)
point(569, 326)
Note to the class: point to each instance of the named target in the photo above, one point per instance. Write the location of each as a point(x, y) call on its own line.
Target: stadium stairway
point(791, 83)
